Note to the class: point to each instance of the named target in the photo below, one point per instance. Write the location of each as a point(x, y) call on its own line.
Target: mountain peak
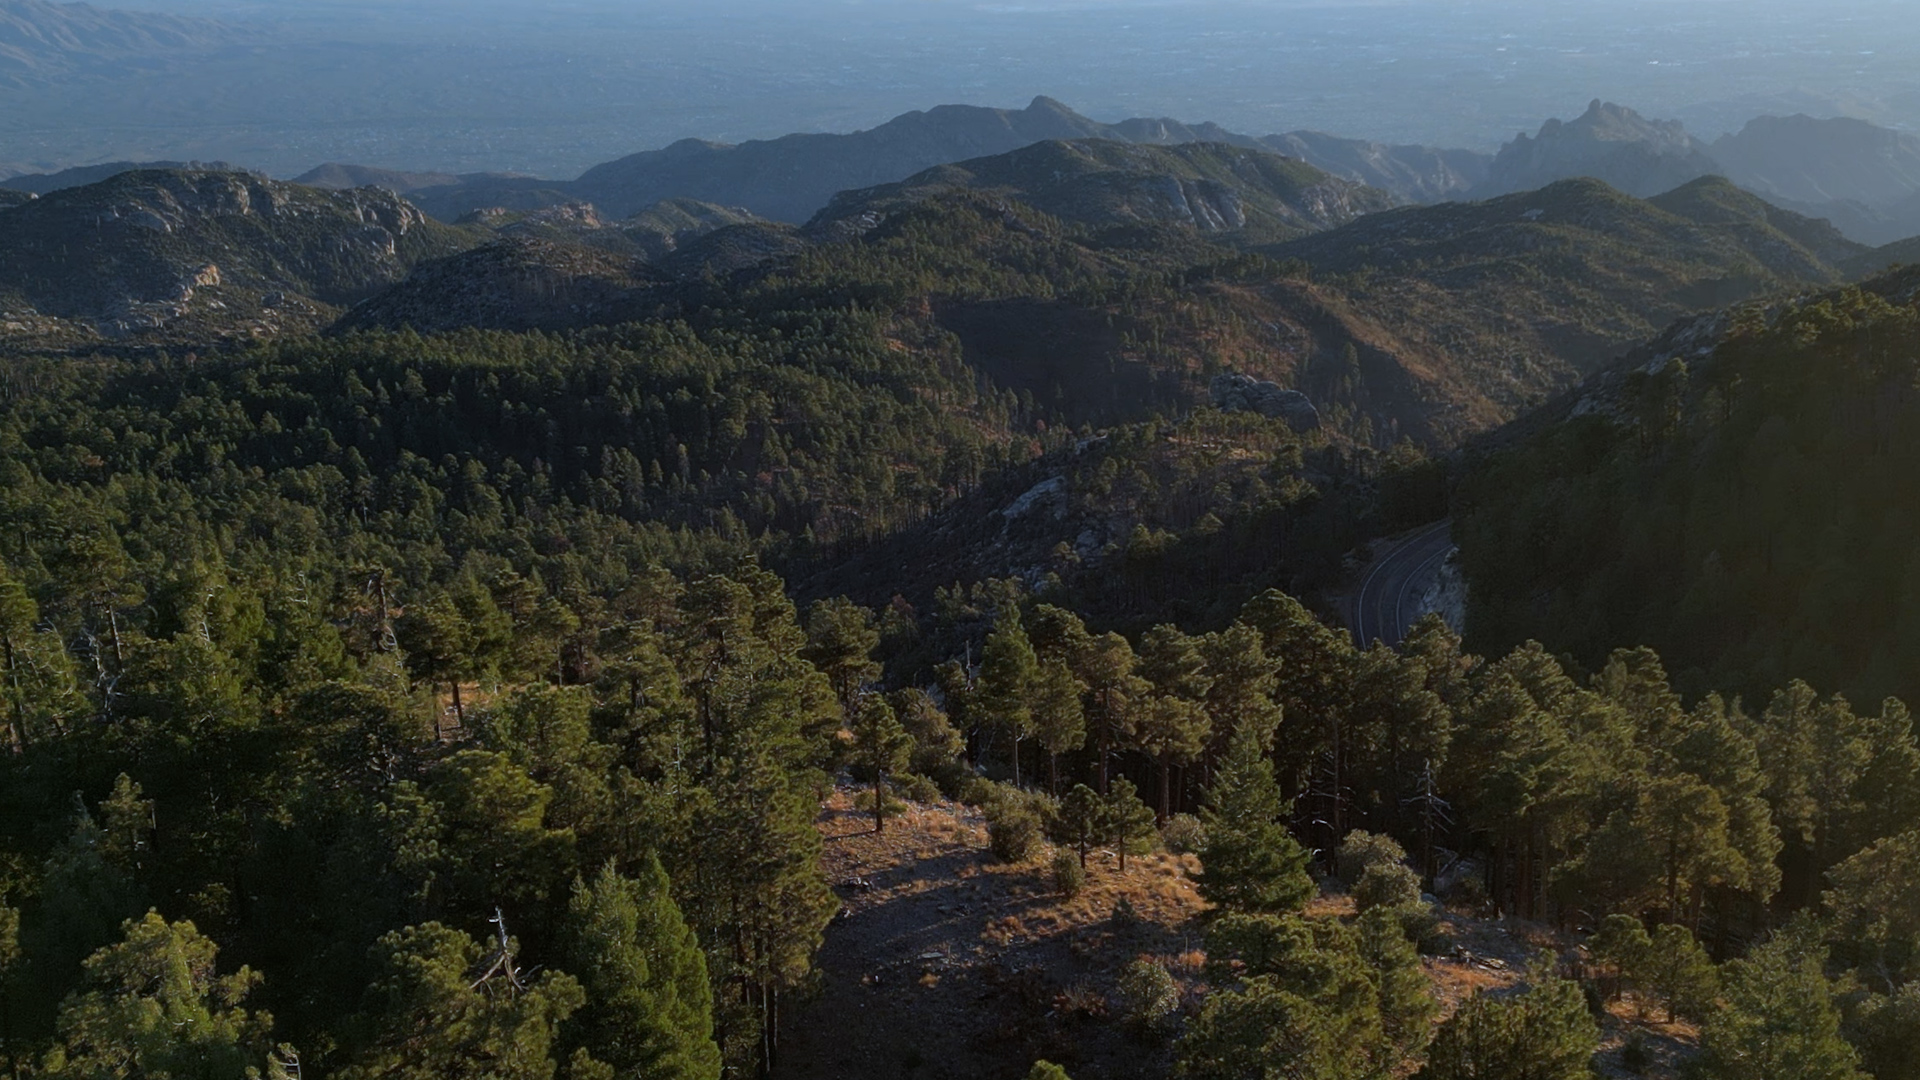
point(1609, 142)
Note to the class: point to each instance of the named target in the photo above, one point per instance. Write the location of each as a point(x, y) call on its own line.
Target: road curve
point(1387, 605)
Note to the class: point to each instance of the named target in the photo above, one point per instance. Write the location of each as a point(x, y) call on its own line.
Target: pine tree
point(1082, 819)
point(1174, 725)
point(882, 746)
point(1058, 720)
point(1008, 670)
point(1243, 677)
point(649, 1008)
point(1128, 820)
point(1105, 664)
point(1779, 1021)
point(1545, 1033)
point(158, 1009)
point(429, 1018)
point(1621, 944)
point(841, 638)
point(936, 742)
point(1680, 974)
point(1250, 862)
point(1266, 1032)
point(1406, 1002)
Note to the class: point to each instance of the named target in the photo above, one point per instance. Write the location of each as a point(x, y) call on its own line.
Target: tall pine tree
point(649, 1008)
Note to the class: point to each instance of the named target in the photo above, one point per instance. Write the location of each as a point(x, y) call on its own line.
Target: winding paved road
point(1388, 602)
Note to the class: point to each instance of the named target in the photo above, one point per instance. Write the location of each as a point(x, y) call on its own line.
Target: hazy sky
point(550, 86)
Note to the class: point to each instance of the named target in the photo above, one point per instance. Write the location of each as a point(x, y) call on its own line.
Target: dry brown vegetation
point(946, 963)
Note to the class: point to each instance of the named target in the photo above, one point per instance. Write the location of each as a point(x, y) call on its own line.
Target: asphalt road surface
point(1388, 603)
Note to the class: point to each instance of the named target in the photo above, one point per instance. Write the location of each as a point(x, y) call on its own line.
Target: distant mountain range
point(791, 178)
point(1213, 187)
point(1863, 178)
point(1433, 322)
point(39, 40)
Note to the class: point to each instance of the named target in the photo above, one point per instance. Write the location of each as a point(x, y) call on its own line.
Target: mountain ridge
point(200, 255)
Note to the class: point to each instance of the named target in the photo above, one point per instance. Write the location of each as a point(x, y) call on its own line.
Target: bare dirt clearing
point(947, 964)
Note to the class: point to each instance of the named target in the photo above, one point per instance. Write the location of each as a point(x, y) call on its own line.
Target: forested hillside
point(479, 695)
point(1744, 511)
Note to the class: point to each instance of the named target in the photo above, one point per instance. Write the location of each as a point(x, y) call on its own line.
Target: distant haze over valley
point(551, 89)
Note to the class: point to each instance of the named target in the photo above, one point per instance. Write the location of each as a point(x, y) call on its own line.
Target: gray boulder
point(1244, 393)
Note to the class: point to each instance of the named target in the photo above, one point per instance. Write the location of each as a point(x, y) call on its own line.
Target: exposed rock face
point(1610, 143)
point(196, 255)
point(654, 234)
point(1243, 393)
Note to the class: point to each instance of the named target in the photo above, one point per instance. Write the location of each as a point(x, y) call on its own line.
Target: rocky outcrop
point(200, 255)
point(1610, 143)
point(1243, 393)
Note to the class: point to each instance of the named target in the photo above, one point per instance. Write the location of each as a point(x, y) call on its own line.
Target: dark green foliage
point(1305, 997)
point(426, 1016)
point(1082, 819)
point(1748, 516)
point(1069, 874)
point(1148, 996)
point(1125, 820)
point(1406, 1002)
point(1013, 824)
point(1008, 673)
point(1886, 1031)
point(155, 1007)
point(1249, 861)
point(1544, 1033)
point(881, 746)
point(649, 1008)
point(1875, 903)
point(1361, 851)
point(1779, 1021)
point(1680, 974)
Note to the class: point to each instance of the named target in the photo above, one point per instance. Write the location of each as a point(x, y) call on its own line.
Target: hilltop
point(517, 283)
point(1104, 280)
point(196, 256)
point(1211, 187)
point(1688, 497)
point(82, 175)
point(791, 178)
point(1608, 142)
point(1524, 293)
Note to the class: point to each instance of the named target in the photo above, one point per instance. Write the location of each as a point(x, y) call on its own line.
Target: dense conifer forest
point(389, 705)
